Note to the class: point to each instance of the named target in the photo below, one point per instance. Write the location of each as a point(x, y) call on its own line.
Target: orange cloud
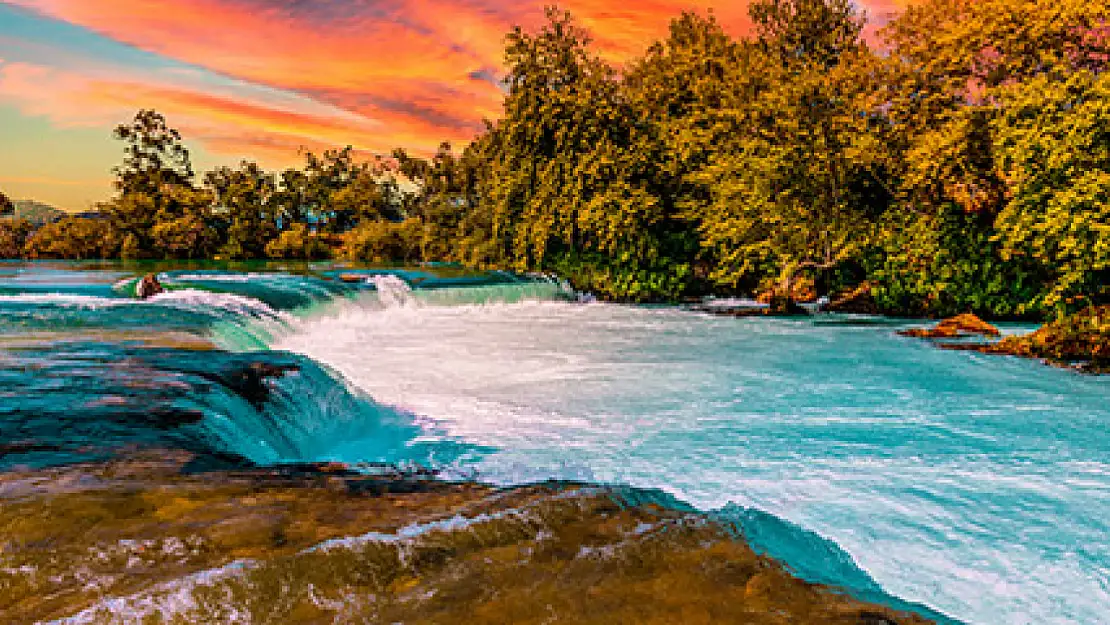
point(385, 73)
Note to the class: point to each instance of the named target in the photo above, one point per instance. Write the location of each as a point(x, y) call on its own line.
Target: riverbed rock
point(148, 287)
point(137, 541)
point(955, 327)
point(858, 301)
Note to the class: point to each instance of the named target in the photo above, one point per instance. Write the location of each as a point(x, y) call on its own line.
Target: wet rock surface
point(1080, 342)
point(148, 286)
point(137, 541)
point(955, 327)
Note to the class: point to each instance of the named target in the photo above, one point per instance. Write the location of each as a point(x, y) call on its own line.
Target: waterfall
point(393, 292)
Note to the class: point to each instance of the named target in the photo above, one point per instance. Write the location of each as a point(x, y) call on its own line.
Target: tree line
point(961, 165)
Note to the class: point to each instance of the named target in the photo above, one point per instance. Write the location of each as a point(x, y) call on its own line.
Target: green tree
point(13, 237)
point(74, 238)
point(188, 236)
point(365, 198)
point(155, 155)
point(325, 175)
point(244, 213)
point(6, 205)
point(1053, 140)
point(803, 185)
point(385, 241)
point(297, 243)
point(155, 186)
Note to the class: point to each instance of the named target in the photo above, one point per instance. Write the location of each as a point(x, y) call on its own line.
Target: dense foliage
point(962, 165)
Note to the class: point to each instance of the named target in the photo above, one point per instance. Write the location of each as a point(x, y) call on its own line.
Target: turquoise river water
point(970, 488)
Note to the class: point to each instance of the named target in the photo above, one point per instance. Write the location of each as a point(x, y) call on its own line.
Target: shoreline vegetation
point(958, 164)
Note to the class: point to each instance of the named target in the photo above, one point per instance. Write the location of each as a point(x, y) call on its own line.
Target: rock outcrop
point(956, 327)
point(1081, 342)
point(148, 287)
point(297, 545)
point(803, 289)
point(858, 301)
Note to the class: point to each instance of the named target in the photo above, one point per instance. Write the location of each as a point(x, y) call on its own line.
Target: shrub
point(297, 243)
point(385, 241)
point(74, 238)
point(13, 236)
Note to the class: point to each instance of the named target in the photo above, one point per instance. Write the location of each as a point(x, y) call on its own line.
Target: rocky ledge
point(138, 541)
point(960, 326)
point(1081, 342)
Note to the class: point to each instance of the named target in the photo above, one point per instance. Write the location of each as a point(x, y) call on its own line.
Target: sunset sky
point(261, 78)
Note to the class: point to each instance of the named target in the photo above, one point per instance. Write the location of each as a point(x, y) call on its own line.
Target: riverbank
point(135, 539)
point(1080, 342)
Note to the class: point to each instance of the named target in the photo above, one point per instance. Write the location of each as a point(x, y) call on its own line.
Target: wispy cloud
point(265, 77)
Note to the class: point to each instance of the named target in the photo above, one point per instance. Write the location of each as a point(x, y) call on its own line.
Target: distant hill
point(37, 212)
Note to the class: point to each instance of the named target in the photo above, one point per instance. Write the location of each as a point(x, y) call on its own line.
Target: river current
point(969, 487)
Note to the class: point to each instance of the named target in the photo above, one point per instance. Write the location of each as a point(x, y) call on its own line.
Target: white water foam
point(978, 486)
point(392, 291)
point(61, 299)
point(205, 301)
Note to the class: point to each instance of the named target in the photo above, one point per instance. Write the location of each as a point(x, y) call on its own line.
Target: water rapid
point(975, 486)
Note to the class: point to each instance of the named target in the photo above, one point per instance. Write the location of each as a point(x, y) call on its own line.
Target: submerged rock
point(148, 287)
point(136, 541)
point(955, 327)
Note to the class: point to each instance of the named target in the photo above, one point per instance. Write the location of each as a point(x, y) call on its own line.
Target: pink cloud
point(418, 68)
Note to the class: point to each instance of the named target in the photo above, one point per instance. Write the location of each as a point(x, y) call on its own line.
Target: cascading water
point(958, 481)
point(973, 485)
point(392, 291)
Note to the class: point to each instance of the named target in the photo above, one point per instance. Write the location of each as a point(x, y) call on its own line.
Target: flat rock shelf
point(136, 540)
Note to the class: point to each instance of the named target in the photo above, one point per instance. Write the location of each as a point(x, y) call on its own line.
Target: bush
point(13, 236)
point(297, 243)
point(75, 238)
point(946, 264)
point(385, 241)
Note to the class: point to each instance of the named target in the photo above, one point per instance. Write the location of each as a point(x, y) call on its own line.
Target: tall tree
point(803, 188)
point(155, 183)
point(1054, 150)
point(6, 205)
point(154, 156)
point(244, 211)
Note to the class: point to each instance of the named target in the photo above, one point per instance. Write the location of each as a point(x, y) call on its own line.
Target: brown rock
point(955, 327)
point(352, 278)
point(148, 287)
point(529, 555)
point(858, 301)
point(1080, 341)
point(785, 307)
